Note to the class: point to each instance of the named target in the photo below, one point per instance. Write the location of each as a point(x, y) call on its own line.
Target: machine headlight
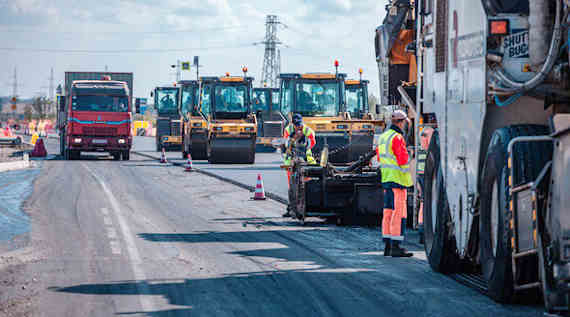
point(248, 129)
point(77, 140)
point(367, 126)
point(121, 141)
point(217, 128)
point(197, 124)
point(164, 139)
point(342, 126)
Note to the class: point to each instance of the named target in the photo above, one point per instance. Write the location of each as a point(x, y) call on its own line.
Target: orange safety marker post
point(188, 167)
point(163, 157)
point(259, 191)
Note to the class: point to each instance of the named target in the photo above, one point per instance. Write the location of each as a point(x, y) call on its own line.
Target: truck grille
point(273, 129)
point(99, 131)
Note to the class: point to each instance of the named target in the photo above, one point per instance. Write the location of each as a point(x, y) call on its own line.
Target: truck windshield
point(354, 100)
point(167, 100)
point(261, 100)
point(189, 100)
point(100, 103)
point(231, 99)
point(317, 98)
point(275, 97)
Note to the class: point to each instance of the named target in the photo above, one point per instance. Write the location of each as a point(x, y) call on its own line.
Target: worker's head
point(297, 120)
point(399, 119)
point(425, 137)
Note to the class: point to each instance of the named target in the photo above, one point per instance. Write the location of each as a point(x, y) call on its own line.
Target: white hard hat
point(399, 115)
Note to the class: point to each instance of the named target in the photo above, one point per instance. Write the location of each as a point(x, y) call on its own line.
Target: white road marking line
point(107, 221)
point(132, 250)
point(115, 247)
point(111, 233)
point(105, 211)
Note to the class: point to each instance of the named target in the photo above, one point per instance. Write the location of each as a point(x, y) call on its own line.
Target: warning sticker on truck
point(516, 44)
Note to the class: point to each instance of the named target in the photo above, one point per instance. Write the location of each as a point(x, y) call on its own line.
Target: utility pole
point(15, 92)
point(272, 59)
point(50, 92)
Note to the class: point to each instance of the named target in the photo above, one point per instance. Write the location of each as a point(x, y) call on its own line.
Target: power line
point(79, 51)
point(124, 32)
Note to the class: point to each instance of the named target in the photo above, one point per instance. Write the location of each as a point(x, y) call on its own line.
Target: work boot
point(387, 247)
point(398, 252)
point(287, 214)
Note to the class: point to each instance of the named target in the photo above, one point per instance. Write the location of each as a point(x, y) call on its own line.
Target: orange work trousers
point(393, 219)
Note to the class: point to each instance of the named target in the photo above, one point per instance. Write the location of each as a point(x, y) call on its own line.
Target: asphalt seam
point(269, 195)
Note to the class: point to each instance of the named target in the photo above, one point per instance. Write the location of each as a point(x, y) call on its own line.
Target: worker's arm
point(399, 149)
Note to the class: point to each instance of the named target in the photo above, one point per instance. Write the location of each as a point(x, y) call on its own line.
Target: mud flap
point(232, 150)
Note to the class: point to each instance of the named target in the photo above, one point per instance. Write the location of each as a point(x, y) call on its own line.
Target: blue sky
point(141, 36)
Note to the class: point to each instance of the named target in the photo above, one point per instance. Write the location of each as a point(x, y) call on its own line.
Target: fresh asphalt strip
point(269, 195)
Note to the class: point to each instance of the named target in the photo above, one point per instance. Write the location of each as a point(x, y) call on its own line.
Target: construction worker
point(425, 138)
point(303, 136)
point(396, 178)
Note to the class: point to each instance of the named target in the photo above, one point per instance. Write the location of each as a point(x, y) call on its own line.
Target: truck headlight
point(77, 140)
point(121, 141)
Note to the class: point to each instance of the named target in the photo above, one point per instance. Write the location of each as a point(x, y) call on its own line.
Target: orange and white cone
point(259, 191)
point(163, 157)
point(188, 167)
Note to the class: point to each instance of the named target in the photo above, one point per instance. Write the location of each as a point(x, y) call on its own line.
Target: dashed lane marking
point(131, 247)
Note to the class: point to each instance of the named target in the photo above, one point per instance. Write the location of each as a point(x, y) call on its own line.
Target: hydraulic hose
point(515, 86)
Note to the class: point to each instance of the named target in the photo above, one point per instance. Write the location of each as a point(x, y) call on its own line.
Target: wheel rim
point(495, 218)
point(434, 201)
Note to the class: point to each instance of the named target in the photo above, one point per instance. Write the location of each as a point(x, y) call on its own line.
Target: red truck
point(95, 114)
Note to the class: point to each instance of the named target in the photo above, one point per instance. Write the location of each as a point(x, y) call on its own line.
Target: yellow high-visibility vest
point(391, 171)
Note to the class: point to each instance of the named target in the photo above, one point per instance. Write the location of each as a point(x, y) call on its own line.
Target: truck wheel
point(494, 229)
point(66, 155)
point(126, 155)
point(438, 246)
point(117, 156)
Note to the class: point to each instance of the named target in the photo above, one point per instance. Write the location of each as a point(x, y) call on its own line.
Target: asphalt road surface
point(147, 239)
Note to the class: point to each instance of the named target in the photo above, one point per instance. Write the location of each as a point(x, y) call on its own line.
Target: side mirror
point(377, 109)
point(152, 93)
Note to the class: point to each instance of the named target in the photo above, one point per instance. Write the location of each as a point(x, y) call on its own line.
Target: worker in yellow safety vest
point(425, 138)
point(396, 179)
point(304, 136)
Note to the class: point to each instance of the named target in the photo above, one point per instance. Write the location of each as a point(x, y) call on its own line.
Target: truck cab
point(270, 121)
point(168, 123)
point(98, 119)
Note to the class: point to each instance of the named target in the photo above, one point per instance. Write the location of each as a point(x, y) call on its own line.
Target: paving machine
point(168, 123)
point(232, 123)
point(494, 81)
point(320, 99)
point(349, 195)
point(270, 121)
point(195, 132)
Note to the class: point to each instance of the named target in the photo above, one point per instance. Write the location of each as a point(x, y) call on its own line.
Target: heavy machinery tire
point(438, 245)
point(494, 230)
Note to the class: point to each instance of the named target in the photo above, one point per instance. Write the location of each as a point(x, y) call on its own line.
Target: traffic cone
point(163, 157)
point(188, 167)
point(259, 191)
point(39, 149)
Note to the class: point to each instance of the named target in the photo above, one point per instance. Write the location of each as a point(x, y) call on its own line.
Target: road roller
point(231, 121)
point(195, 133)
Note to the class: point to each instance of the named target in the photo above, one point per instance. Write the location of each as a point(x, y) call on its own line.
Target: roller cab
point(168, 122)
point(195, 126)
point(270, 121)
